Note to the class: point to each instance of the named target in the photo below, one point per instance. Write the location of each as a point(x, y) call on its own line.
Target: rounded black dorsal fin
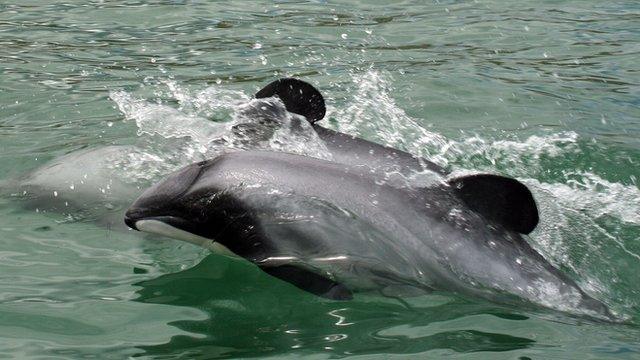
point(503, 200)
point(298, 97)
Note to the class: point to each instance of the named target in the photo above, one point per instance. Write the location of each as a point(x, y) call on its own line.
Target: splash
point(266, 124)
point(587, 222)
point(167, 122)
point(374, 114)
point(211, 121)
point(584, 217)
point(516, 157)
point(597, 197)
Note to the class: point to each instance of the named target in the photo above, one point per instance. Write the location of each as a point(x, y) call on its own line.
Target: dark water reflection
point(251, 314)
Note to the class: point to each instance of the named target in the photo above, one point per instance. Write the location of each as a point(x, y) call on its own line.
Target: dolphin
point(100, 182)
point(333, 229)
point(83, 184)
point(300, 97)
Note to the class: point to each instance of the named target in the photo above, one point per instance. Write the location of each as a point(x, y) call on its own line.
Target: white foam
point(596, 196)
point(584, 200)
point(186, 134)
point(373, 110)
point(519, 156)
point(168, 122)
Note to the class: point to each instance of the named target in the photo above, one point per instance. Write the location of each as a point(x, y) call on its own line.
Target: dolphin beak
point(162, 198)
point(134, 218)
point(131, 222)
point(176, 228)
point(166, 225)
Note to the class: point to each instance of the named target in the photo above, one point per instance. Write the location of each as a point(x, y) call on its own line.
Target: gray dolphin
point(302, 98)
point(333, 229)
point(96, 183)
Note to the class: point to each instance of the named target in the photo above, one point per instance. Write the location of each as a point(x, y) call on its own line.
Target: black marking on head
point(156, 198)
point(298, 97)
point(503, 200)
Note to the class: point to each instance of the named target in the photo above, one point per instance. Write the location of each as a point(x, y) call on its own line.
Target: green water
point(548, 92)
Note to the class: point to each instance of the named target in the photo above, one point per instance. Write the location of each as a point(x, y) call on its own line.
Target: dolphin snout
point(162, 198)
point(130, 221)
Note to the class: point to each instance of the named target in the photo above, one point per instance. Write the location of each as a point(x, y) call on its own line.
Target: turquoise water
point(548, 93)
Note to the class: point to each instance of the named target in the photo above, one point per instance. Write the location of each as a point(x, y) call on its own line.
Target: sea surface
point(547, 92)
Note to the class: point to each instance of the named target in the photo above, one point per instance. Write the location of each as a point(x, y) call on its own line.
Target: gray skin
point(266, 115)
point(352, 150)
point(339, 222)
point(82, 184)
point(94, 182)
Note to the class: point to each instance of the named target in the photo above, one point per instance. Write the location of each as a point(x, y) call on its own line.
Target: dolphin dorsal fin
point(298, 97)
point(503, 200)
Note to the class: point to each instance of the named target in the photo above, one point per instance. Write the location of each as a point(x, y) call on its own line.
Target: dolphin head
point(234, 205)
point(191, 206)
